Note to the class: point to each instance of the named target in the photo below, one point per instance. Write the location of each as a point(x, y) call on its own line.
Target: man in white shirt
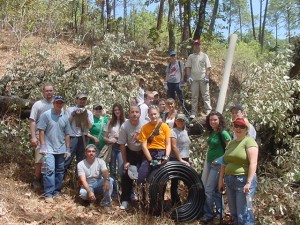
point(148, 100)
point(198, 70)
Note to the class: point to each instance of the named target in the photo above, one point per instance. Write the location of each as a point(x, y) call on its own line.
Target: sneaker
point(49, 200)
point(124, 205)
point(192, 117)
point(134, 197)
point(206, 219)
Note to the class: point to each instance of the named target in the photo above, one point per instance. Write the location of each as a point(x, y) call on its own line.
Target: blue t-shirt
point(56, 127)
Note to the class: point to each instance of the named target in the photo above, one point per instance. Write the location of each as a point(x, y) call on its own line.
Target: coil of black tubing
point(157, 180)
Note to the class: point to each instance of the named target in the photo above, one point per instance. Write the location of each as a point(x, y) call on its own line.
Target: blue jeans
point(76, 148)
point(174, 88)
point(97, 188)
point(212, 195)
point(54, 175)
point(116, 156)
point(237, 199)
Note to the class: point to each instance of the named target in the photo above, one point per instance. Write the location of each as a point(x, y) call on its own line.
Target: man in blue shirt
point(54, 130)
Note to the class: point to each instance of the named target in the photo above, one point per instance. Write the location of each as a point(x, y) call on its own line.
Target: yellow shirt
point(159, 141)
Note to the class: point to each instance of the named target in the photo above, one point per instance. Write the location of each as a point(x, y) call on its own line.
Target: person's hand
point(96, 140)
point(117, 135)
point(247, 187)
point(190, 80)
point(181, 84)
point(185, 163)
point(106, 185)
point(91, 195)
point(112, 140)
point(221, 186)
point(164, 159)
point(67, 154)
point(166, 86)
point(34, 142)
point(43, 149)
point(126, 165)
point(155, 162)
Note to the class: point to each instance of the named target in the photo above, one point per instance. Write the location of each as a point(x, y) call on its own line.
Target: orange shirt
point(159, 141)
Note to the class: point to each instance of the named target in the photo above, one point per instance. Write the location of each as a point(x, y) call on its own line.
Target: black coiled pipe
point(193, 206)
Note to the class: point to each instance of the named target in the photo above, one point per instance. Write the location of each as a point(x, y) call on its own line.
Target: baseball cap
point(172, 53)
point(240, 121)
point(132, 172)
point(197, 42)
point(97, 105)
point(238, 107)
point(81, 95)
point(59, 98)
point(154, 93)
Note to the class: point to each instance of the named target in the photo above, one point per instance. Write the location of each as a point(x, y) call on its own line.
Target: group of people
point(154, 132)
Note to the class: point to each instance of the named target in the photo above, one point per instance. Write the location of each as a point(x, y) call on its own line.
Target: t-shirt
point(144, 118)
point(215, 147)
point(198, 62)
point(76, 131)
point(159, 141)
point(38, 108)
point(97, 130)
point(236, 156)
point(113, 131)
point(56, 127)
point(129, 135)
point(173, 72)
point(92, 172)
point(183, 142)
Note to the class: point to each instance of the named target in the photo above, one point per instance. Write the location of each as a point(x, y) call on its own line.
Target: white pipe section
point(226, 75)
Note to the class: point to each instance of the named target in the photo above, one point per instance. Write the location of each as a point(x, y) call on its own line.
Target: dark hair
point(175, 126)
point(221, 126)
point(114, 118)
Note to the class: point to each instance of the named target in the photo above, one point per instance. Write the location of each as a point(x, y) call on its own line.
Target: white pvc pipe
point(226, 75)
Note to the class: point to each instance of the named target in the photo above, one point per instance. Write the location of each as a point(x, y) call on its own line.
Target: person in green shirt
point(96, 133)
point(217, 140)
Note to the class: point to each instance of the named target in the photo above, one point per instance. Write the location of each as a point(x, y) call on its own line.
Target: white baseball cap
point(132, 172)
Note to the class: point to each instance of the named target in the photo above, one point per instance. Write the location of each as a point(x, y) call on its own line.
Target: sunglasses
point(98, 108)
point(239, 126)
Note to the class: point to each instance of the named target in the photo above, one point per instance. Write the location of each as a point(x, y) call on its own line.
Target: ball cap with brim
point(180, 116)
point(133, 172)
point(240, 121)
point(154, 93)
point(172, 53)
point(59, 98)
point(81, 95)
point(238, 107)
point(97, 105)
point(197, 42)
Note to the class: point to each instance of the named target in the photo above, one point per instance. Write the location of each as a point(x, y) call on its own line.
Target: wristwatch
point(107, 179)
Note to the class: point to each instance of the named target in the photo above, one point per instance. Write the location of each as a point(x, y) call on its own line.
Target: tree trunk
point(213, 18)
point(201, 20)
point(252, 20)
point(263, 26)
point(260, 21)
point(109, 19)
point(160, 15)
point(82, 18)
point(102, 18)
point(186, 33)
point(171, 25)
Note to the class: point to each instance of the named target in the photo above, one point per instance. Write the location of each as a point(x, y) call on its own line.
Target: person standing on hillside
point(81, 121)
point(36, 111)
point(131, 152)
point(198, 70)
point(175, 77)
point(54, 129)
point(148, 100)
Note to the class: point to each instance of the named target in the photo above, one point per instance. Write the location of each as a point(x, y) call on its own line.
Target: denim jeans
point(116, 156)
point(237, 199)
point(172, 89)
point(97, 188)
point(54, 175)
point(212, 195)
point(76, 148)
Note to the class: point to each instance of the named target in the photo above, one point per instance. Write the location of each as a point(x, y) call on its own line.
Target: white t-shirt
point(198, 64)
point(183, 142)
point(92, 172)
point(38, 108)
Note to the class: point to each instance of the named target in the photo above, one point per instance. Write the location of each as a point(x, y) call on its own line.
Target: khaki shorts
point(38, 158)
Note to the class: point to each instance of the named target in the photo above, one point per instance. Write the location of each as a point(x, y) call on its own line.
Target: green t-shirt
point(97, 131)
point(215, 148)
point(236, 156)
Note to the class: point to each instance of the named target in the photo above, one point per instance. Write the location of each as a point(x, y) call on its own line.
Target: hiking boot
point(36, 184)
point(124, 205)
point(49, 200)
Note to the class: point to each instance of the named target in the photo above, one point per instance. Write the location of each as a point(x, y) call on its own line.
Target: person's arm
point(176, 150)
point(33, 139)
point(221, 178)
point(105, 175)
point(188, 72)
point(124, 156)
point(68, 142)
point(109, 140)
point(42, 136)
point(207, 72)
point(252, 154)
point(146, 151)
point(168, 146)
point(85, 185)
point(182, 71)
point(95, 139)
